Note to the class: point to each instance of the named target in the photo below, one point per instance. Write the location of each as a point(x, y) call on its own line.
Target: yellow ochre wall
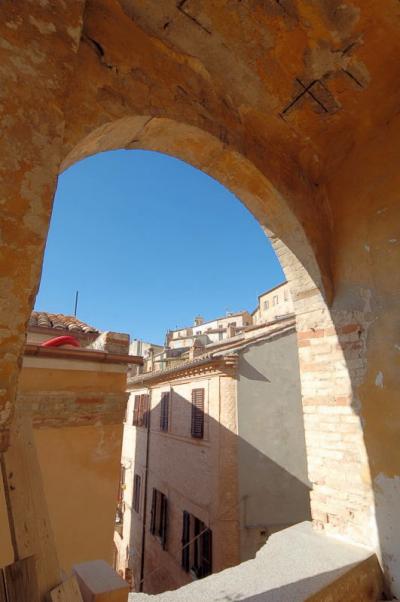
point(79, 453)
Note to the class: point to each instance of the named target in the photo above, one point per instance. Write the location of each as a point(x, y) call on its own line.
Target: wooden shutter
point(164, 411)
point(136, 411)
point(185, 541)
point(144, 404)
point(153, 512)
point(136, 493)
point(206, 553)
point(197, 429)
point(164, 524)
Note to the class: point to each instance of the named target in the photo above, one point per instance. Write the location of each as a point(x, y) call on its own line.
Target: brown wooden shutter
point(185, 541)
point(153, 512)
point(164, 411)
point(197, 429)
point(135, 421)
point(144, 404)
point(140, 411)
point(206, 552)
point(163, 526)
point(136, 493)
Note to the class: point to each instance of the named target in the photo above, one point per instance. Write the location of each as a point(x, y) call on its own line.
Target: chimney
point(230, 331)
point(196, 349)
point(198, 321)
point(150, 360)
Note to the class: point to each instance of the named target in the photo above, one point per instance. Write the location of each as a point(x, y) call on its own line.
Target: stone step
point(295, 565)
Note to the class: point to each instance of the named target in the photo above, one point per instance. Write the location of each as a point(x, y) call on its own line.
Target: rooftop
point(225, 317)
point(42, 319)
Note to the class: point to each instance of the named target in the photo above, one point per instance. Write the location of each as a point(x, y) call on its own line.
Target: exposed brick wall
point(65, 408)
point(332, 361)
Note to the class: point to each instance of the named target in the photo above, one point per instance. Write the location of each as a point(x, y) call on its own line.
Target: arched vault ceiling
point(293, 86)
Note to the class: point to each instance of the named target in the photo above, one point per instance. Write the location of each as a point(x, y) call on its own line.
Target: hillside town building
point(273, 304)
point(211, 331)
point(203, 486)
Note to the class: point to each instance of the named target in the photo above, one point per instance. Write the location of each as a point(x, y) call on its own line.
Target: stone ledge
point(295, 565)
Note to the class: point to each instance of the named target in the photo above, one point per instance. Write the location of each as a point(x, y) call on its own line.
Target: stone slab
point(293, 566)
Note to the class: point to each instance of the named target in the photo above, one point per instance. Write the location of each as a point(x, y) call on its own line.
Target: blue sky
point(150, 242)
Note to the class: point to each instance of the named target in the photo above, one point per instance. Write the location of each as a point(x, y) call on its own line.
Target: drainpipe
point(146, 472)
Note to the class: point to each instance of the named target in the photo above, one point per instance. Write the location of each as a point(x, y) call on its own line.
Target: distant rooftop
point(227, 315)
point(42, 319)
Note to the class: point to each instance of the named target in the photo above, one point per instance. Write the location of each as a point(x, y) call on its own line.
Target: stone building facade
point(204, 485)
point(210, 331)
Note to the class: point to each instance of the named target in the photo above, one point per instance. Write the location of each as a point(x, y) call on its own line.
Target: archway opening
point(179, 230)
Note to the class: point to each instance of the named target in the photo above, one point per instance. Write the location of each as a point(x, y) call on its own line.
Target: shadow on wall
point(230, 485)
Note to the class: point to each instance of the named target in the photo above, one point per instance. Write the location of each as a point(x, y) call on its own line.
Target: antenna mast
point(76, 302)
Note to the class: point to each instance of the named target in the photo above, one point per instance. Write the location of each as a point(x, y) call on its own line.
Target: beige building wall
point(214, 330)
point(273, 304)
point(196, 475)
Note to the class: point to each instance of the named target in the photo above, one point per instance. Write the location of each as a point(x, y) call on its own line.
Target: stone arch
point(326, 336)
point(124, 64)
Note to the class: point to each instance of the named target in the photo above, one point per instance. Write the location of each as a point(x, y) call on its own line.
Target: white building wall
point(273, 304)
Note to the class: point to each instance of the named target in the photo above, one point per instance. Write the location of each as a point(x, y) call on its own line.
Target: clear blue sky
point(150, 242)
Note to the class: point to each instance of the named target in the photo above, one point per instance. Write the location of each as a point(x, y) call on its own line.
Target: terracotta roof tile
point(42, 319)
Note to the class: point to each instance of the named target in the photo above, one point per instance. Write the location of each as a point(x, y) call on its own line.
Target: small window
point(266, 304)
point(286, 295)
point(197, 426)
point(122, 484)
point(164, 411)
point(137, 482)
point(141, 410)
point(196, 546)
point(275, 300)
point(158, 523)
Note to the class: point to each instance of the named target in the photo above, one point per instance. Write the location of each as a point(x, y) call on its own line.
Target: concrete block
point(99, 582)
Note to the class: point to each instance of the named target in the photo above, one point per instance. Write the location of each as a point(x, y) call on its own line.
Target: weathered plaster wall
point(77, 410)
point(80, 467)
point(38, 44)
point(272, 463)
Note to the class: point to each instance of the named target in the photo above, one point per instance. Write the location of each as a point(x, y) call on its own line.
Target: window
point(164, 410)
point(158, 523)
point(196, 546)
point(286, 295)
point(266, 304)
point(275, 300)
point(197, 426)
point(141, 410)
point(137, 482)
point(122, 484)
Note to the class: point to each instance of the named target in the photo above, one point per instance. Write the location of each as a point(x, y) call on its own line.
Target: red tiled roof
point(42, 319)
